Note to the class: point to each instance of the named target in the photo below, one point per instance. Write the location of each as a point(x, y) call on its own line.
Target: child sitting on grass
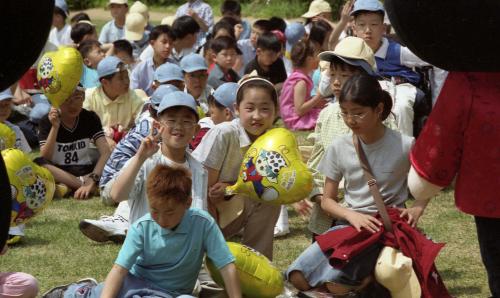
point(113, 101)
point(224, 52)
point(164, 249)
point(221, 106)
point(92, 54)
point(65, 139)
point(298, 109)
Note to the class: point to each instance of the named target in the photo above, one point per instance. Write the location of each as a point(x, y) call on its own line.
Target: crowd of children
point(162, 118)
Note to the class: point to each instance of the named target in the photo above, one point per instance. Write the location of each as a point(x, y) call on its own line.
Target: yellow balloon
point(258, 276)
point(58, 74)
point(7, 137)
point(272, 170)
point(32, 186)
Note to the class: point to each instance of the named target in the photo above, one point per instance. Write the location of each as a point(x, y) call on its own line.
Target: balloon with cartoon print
point(258, 277)
point(7, 137)
point(32, 186)
point(59, 73)
point(272, 170)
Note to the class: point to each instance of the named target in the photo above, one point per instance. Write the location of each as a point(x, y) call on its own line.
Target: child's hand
point(217, 191)
point(150, 144)
point(303, 208)
point(54, 118)
point(345, 15)
point(84, 191)
point(321, 103)
point(360, 220)
point(413, 214)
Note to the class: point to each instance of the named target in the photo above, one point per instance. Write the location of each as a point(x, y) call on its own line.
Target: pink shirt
point(292, 120)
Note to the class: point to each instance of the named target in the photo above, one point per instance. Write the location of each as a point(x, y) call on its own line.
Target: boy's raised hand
point(150, 144)
point(345, 14)
point(54, 118)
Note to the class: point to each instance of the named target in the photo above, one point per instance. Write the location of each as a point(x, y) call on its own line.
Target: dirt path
point(103, 14)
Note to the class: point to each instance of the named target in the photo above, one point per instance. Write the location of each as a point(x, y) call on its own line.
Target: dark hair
point(123, 45)
point(79, 30)
point(212, 101)
point(263, 25)
point(81, 16)
point(230, 6)
point(276, 23)
point(223, 43)
point(302, 50)
point(269, 41)
point(365, 91)
point(159, 30)
point(184, 26)
point(360, 12)
point(319, 31)
point(339, 63)
point(166, 183)
point(86, 46)
point(60, 12)
point(224, 24)
point(253, 82)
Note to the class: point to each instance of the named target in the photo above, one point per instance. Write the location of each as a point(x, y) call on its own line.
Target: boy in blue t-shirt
point(164, 249)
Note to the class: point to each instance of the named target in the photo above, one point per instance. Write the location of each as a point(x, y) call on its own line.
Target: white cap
point(134, 26)
point(141, 8)
point(118, 2)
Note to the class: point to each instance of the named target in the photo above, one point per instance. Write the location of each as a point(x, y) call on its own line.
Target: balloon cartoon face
point(7, 137)
point(58, 74)
point(272, 170)
point(32, 186)
point(49, 80)
point(258, 277)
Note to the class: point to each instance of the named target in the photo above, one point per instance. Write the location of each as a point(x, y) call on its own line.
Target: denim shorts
point(315, 266)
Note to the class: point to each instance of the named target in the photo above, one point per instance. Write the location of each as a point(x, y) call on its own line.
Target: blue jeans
point(132, 287)
point(488, 234)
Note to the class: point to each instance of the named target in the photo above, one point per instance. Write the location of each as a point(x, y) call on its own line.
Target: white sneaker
point(107, 228)
point(279, 232)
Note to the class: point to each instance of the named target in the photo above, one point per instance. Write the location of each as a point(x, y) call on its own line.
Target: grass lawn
point(56, 252)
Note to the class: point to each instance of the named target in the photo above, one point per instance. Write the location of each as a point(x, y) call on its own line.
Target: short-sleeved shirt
point(125, 149)
point(21, 142)
point(217, 77)
point(247, 50)
point(143, 75)
point(137, 198)
point(110, 32)
point(390, 164)
point(276, 73)
point(172, 259)
point(223, 148)
point(121, 111)
point(90, 78)
point(72, 147)
point(61, 37)
point(461, 138)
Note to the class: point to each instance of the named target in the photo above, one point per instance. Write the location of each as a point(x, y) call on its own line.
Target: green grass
point(56, 252)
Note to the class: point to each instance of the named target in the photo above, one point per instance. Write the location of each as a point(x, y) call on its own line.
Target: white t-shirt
point(390, 164)
point(62, 37)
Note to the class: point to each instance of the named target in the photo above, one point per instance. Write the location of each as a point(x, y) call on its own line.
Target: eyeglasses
point(355, 117)
point(184, 124)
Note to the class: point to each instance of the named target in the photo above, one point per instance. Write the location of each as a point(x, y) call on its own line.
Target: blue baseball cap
point(6, 94)
point(61, 4)
point(226, 95)
point(367, 5)
point(108, 66)
point(294, 32)
point(159, 93)
point(178, 99)
point(193, 62)
point(168, 72)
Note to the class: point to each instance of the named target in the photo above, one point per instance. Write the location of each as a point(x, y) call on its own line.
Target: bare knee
point(298, 281)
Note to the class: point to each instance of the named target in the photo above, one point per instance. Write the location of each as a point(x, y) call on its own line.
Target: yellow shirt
point(121, 111)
